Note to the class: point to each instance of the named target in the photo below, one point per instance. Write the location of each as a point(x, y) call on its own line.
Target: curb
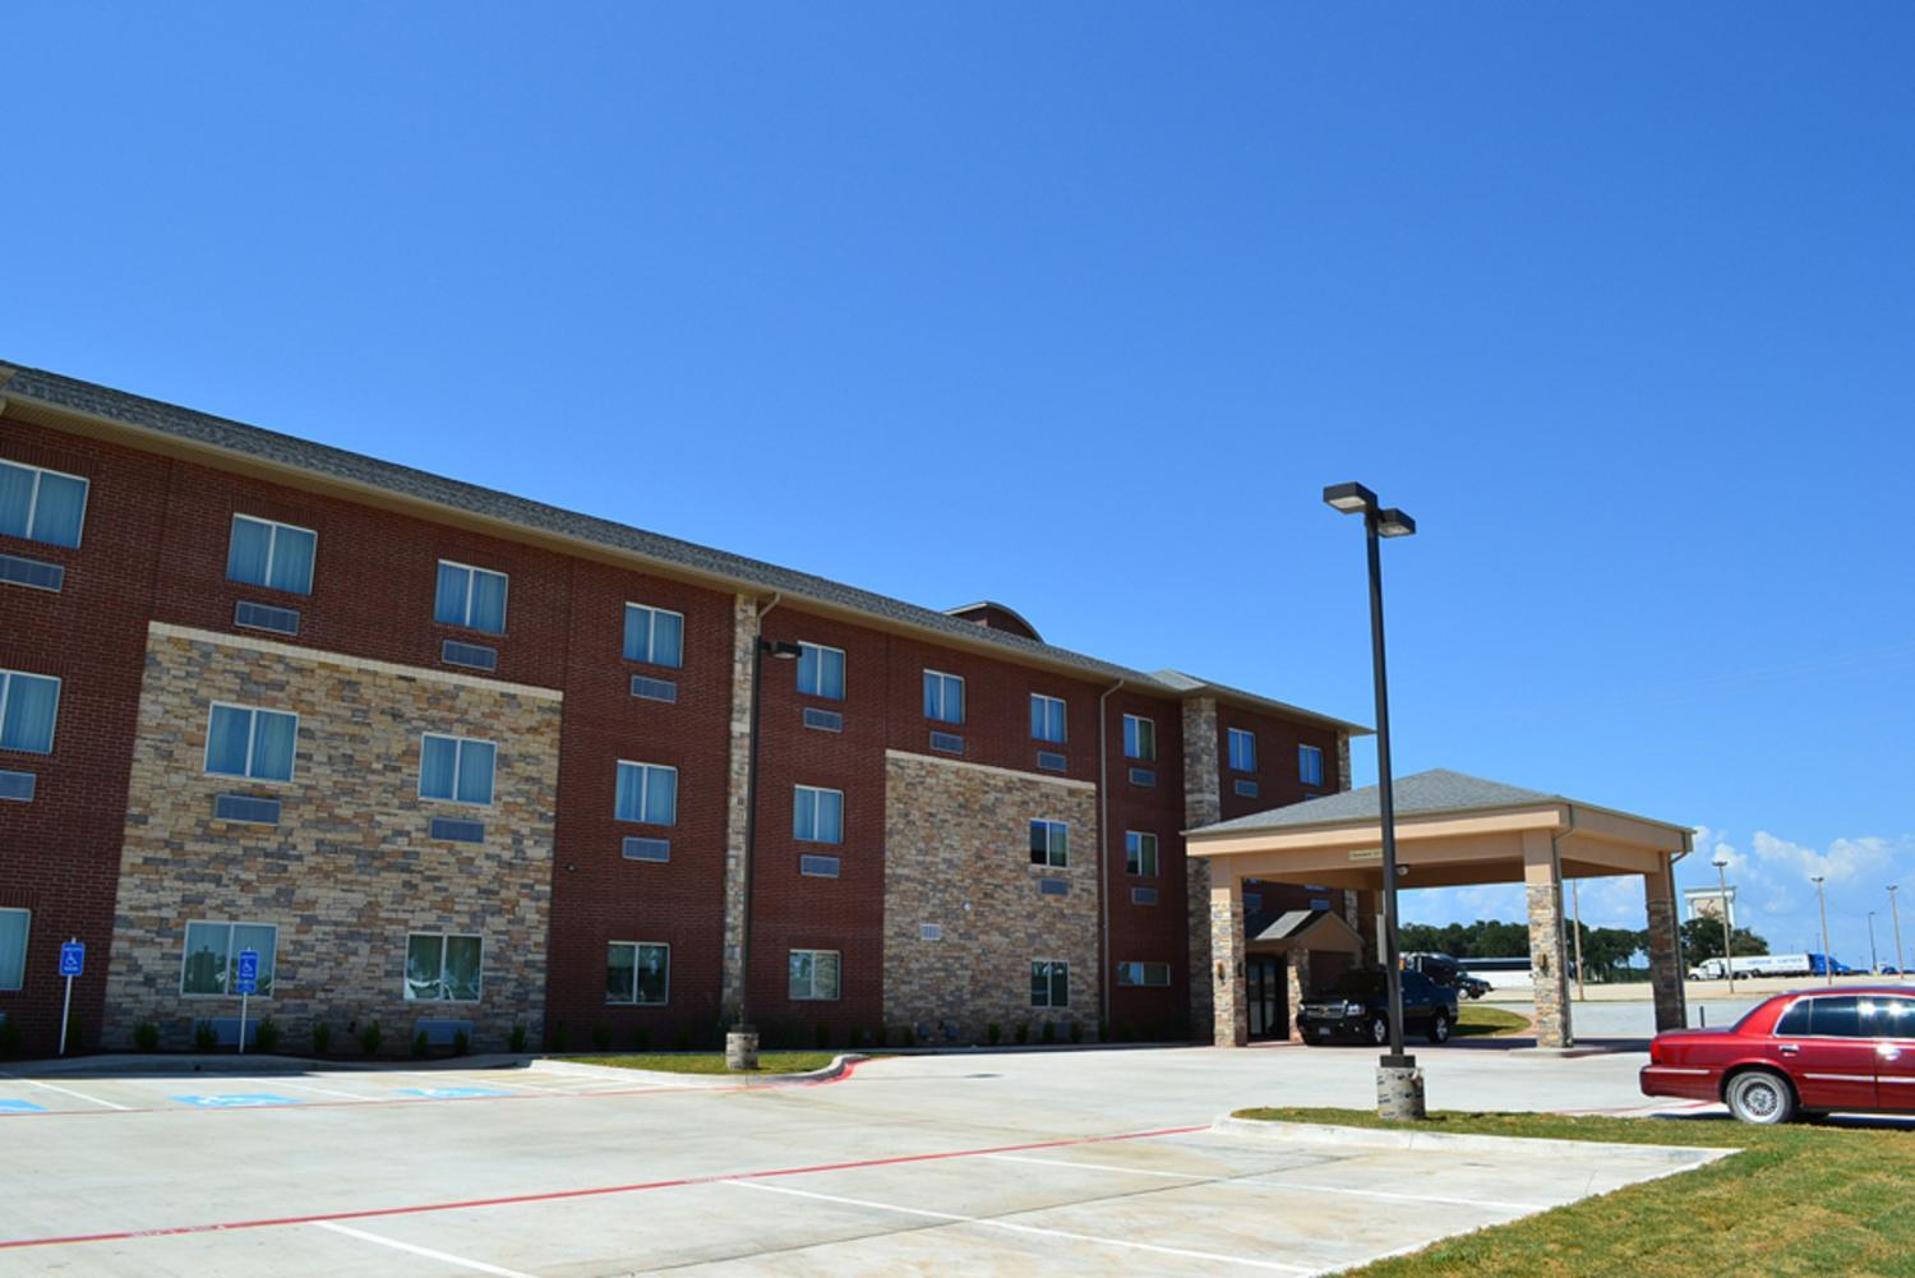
point(255, 1063)
point(1390, 1138)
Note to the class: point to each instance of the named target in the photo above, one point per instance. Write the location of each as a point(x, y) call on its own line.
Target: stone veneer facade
point(957, 857)
point(746, 627)
point(1203, 805)
point(350, 870)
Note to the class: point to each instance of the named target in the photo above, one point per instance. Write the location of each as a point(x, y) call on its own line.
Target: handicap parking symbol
point(449, 1093)
point(235, 1100)
point(20, 1107)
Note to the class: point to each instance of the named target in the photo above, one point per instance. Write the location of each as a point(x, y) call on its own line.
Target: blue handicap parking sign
point(449, 1093)
point(235, 1100)
point(20, 1107)
point(72, 958)
point(247, 981)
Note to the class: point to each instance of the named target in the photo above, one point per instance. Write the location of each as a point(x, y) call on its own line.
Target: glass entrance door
point(1264, 988)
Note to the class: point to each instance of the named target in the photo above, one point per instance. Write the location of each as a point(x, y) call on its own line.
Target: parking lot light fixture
point(1399, 1083)
point(1721, 863)
point(1895, 922)
point(1822, 903)
point(741, 1041)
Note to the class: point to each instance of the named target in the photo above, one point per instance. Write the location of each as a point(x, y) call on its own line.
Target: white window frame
point(232, 956)
point(1055, 963)
point(650, 658)
point(1304, 750)
point(963, 695)
point(6, 688)
point(1063, 717)
point(817, 789)
point(1156, 853)
point(26, 948)
point(458, 761)
point(645, 792)
point(635, 1000)
point(405, 959)
point(1143, 982)
point(813, 997)
point(272, 548)
point(1231, 737)
point(844, 670)
point(1142, 719)
point(252, 736)
point(465, 624)
point(1054, 847)
point(33, 502)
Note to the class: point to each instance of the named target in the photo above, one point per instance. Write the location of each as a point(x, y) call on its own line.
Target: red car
point(1811, 1051)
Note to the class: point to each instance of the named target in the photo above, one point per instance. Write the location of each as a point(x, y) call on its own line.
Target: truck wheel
point(1440, 1027)
point(1760, 1096)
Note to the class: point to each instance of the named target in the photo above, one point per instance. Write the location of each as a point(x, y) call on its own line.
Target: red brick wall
point(1148, 933)
point(1278, 782)
point(60, 854)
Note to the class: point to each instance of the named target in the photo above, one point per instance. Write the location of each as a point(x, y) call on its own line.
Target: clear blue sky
point(1077, 306)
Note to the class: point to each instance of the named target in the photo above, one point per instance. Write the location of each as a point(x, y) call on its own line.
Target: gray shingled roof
point(70, 394)
point(1421, 794)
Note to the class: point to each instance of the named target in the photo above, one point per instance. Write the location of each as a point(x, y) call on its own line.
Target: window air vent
point(948, 742)
point(1052, 761)
point(1054, 887)
point(1245, 789)
point(19, 571)
point(637, 849)
point(259, 616)
point(1143, 776)
point(1143, 896)
point(247, 808)
point(455, 830)
point(654, 689)
point(824, 720)
point(473, 656)
point(818, 867)
point(17, 787)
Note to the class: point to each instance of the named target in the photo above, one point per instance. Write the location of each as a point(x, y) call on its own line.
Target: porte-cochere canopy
point(1451, 830)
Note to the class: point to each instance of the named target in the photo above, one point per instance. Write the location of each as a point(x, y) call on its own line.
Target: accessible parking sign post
point(72, 964)
point(247, 981)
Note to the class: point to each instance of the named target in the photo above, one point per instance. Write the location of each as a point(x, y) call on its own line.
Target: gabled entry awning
point(1307, 930)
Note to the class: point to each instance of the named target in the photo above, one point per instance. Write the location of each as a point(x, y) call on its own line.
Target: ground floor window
point(637, 972)
point(1149, 975)
point(1050, 983)
point(814, 975)
point(13, 948)
point(212, 957)
point(443, 968)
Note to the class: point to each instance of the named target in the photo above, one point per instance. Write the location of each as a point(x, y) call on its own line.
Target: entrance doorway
point(1269, 1001)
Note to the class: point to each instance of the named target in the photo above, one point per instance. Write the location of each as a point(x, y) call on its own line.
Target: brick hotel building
point(451, 760)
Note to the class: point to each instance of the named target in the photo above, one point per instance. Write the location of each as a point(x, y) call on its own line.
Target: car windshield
point(1362, 983)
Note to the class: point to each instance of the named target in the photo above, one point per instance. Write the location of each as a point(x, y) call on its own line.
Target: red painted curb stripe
point(559, 1195)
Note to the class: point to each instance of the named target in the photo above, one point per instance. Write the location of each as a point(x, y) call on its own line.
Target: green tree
point(1702, 939)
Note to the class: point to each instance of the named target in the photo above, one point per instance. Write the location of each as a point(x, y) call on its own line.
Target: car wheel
point(1380, 1030)
point(1759, 1096)
point(1440, 1028)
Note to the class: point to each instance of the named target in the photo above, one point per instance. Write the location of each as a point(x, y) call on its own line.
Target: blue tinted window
point(41, 505)
point(1310, 765)
point(1047, 718)
point(1140, 738)
point(647, 793)
point(470, 597)
point(821, 671)
point(654, 635)
point(943, 697)
point(29, 704)
point(274, 555)
point(817, 816)
point(457, 769)
point(1243, 750)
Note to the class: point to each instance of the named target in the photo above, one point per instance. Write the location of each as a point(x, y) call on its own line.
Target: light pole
point(1895, 921)
point(1822, 903)
point(741, 1041)
point(1721, 863)
point(1399, 1083)
point(1874, 963)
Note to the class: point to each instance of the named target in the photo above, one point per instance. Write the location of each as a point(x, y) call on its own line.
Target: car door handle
point(1889, 1053)
point(1788, 1049)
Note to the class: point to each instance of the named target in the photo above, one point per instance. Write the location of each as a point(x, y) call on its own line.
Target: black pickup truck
point(1359, 1008)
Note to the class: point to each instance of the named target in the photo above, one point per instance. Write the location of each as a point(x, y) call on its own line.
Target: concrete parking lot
point(1092, 1161)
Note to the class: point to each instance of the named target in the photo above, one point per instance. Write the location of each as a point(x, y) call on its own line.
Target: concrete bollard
point(741, 1049)
point(1399, 1092)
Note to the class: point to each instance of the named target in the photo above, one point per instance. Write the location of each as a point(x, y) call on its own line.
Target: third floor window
point(41, 505)
point(821, 671)
point(943, 697)
point(1310, 765)
point(1243, 750)
point(470, 597)
point(655, 635)
point(1047, 718)
point(1140, 738)
point(277, 556)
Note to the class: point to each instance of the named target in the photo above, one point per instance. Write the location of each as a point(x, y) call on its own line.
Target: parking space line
point(1382, 1195)
point(992, 1222)
point(65, 1091)
point(477, 1266)
point(319, 1091)
point(1109, 1167)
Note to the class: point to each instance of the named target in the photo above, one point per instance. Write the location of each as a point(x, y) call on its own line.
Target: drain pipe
point(1103, 853)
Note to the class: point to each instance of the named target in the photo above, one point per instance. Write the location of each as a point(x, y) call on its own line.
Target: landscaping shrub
point(684, 1040)
point(203, 1036)
point(641, 1038)
point(1048, 1033)
point(823, 1035)
point(516, 1039)
point(9, 1038)
point(1023, 1034)
point(1077, 1031)
point(558, 1036)
point(993, 1032)
point(461, 1043)
point(421, 1046)
point(322, 1038)
point(146, 1036)
point(370, 1038)
point(266, 1036)
point(602, 1037)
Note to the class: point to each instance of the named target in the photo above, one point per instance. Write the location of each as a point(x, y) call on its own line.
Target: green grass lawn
point(711, 1062)
point(1473, 1020)
point(1801, 1199)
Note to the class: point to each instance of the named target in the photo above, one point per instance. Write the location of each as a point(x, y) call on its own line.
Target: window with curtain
point(647, 793)
point(1050, 983)
point(821, 671)
point(13, 947)
point(456, 769)
point(654, 635)
point(211, 964)
point(1243, 750)
point(637, 972)
point(1140, 738)
point(1047, 718)
point(29, 704)
point(817, 815)
point(443, 968)
point(815, 975)
point(943, 697)
point(275, 555)
point(1050, 843)
point(242, 741)
point(470, 597)
point(1140, 852)
point(41, 505)
point(1310, 765)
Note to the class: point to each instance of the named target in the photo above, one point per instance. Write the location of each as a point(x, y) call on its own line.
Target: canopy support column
point(1548, 959)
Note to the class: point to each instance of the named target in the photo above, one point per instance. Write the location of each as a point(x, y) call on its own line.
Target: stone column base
point(1399, 1092)
point(741, 1049)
